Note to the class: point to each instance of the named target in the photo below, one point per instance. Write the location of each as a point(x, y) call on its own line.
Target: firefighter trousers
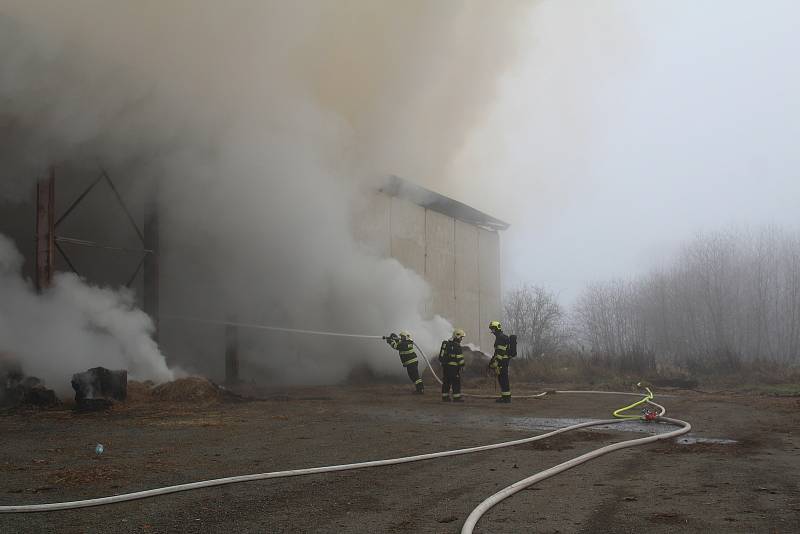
point(502, 379)
point(451, 379)
point(413, 374)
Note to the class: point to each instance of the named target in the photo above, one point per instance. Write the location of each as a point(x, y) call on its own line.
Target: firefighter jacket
point(501, 343)
point(406, 349)
point(452, 354)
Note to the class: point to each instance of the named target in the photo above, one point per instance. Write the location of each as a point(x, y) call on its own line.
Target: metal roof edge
point(398, 187)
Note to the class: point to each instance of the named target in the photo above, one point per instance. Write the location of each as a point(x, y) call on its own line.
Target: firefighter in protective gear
point(451, 356)
point(500, 361)
point(404, 344)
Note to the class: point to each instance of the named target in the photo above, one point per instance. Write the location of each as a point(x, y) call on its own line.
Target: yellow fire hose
point(620, 413)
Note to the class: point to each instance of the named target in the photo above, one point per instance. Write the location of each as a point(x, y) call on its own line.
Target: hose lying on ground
point(473, 517)
point(482, 508)
point(50, 507)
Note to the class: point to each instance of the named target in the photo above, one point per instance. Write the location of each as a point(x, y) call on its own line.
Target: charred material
point(98, 388)
point(16, 389)
point(93, 405)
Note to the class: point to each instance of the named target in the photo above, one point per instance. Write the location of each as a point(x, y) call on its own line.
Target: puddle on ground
point(510, 423)
point(692, 440)
point(551, 423)
point(535, 424)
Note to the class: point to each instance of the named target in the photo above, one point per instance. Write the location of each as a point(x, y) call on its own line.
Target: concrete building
point(454, 247)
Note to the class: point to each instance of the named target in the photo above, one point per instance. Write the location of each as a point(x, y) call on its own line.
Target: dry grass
point(605, 371)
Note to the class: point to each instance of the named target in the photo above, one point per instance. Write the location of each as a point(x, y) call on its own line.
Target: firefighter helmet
point(405, 334)
point(458, 333)
point(495, 325)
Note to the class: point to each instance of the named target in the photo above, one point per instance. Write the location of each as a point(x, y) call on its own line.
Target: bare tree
point(536, 317)
point(729, 295)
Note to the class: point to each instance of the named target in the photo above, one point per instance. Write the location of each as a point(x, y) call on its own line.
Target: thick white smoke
point(255, 126)
point(72, 327)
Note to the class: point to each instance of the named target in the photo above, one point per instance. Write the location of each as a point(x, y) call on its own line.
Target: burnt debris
point(98, 388)
point(16, 389)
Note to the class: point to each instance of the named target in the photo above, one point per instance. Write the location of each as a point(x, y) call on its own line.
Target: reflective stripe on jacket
point(501, 343)
point(454, 355)
point(406, 349)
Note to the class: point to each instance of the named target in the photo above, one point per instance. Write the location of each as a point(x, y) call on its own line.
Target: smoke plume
point(73, 327)
point(254, 126)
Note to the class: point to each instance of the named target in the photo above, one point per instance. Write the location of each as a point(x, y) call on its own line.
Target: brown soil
point(748, 486)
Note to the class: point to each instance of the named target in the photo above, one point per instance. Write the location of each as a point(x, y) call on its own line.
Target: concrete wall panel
point(371, 224)
point(460, 261)
point(440, 262)
point(489, 270)
point(467, 281)
point(407, 226)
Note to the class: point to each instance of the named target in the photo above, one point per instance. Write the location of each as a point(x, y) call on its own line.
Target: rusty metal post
point(231, 354)
point(151, 242)
point(45, 230)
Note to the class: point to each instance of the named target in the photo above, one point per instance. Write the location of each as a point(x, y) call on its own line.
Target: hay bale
point(476, 363)
point(100, 383)
point(139, 392)
point(29, 391)
point(16, 389)
point(190, 389)
point(93, 405)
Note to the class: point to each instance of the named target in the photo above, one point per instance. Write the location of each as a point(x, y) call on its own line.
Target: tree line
point(724, 297)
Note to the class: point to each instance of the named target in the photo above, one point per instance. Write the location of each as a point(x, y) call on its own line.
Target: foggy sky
point(627, 127)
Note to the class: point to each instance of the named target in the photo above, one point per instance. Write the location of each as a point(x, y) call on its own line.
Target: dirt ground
point(747, 486)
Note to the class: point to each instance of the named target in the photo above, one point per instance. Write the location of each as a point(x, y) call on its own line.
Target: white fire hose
point(482, 508)
point(473, 517)
point(71, 505)
point(264, 327)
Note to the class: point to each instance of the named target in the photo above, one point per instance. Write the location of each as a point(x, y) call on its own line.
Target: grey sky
point(625, 127)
